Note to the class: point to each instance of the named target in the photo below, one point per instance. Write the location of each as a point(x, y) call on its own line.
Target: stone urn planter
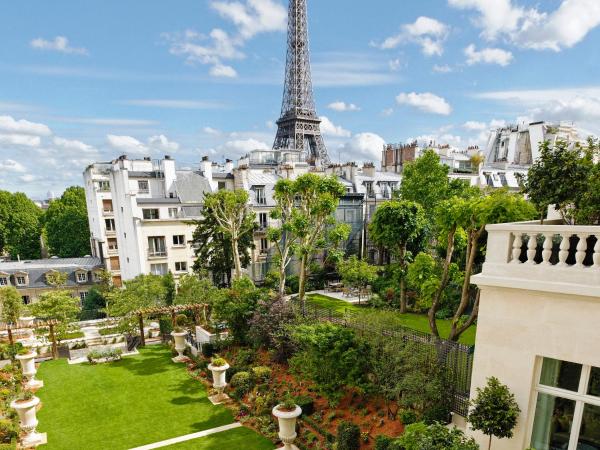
point(26, 409)
point(180, 345)
point(287, 425)
point(28, 367)
point(219, 383)
point(26, 322)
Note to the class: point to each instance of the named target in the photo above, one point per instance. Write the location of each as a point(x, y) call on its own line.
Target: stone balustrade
point(549, 256)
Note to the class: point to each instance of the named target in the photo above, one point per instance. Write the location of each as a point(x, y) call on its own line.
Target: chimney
point(168, 166)
point(206, 167)
point(228, 166)
point(368, 169)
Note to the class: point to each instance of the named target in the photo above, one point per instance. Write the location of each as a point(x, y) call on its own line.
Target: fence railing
point(457, 358)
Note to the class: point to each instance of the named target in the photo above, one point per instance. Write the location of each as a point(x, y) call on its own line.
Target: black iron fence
point(456, 358)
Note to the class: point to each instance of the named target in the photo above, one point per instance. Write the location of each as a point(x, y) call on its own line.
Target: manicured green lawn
point(136, 401)
point(239, 438)
point(415, 321)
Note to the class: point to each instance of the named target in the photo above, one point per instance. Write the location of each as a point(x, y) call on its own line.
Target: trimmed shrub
point(407, 416)
point(262, 374)
point(437, 413)
point(245, 357)
point(348, 435)
point(383, 442)
point(306, 403)
point(242, 383)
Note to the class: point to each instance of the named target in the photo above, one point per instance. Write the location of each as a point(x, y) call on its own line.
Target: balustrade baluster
point(564, 249)
point(547, 252)
point(516, 249)
point(596, 257)
point(581, 249)
point(531, 248)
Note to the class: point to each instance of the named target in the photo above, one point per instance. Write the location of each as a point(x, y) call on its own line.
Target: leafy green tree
point(144, 291)
point(589, 204)
point(59, 305)
point(237, 305)
point(214, 248)
point(20, 226)
point(494, 411)
point(425, 181)
point(11, 303)
point(170, 288)
point(66, 224)
point(229, 209)
point(357, 273)
point(560, 177)
point(195, 290)
point(94, 300)
point(57, 279)
point(331, 356)
point(312, 226)
point(420, 436)
point(394, 226)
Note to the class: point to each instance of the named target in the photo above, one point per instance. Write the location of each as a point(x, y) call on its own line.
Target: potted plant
point(287, 412)
point(27, 358)
point(179, 333)
point(25, 405)
point(218, 367)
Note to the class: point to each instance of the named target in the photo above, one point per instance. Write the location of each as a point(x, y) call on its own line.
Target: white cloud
point(10, 125)
point(429, 33)
point(58, 44)
point(126, 144)
point(173, 104)
point(340, 69)
point(28, 178)
point(488, 56)
point(530, 28)
point(270, 124)
point(10, 165)
point(387, 112)
point(113, 122)
point(239, 147)
point(363, 147)
point(445, 68)
point(222, 71)
point(395, 64)
point(162, 144)
point(67, 144)
point(253, 17)
point(211, 131)
point(474, 126)
point(329, 129)
point(343, 106)
point(426, 102)
point(20, 139)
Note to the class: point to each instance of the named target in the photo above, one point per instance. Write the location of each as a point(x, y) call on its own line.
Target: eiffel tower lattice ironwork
point(299, 126)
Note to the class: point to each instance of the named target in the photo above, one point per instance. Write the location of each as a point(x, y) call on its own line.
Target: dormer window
point(3, 280)
point(21, 280)
point(261, 199)
point(82, 277)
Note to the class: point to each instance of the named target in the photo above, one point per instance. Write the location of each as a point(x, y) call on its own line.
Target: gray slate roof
point(36, 269)
point(191, 186)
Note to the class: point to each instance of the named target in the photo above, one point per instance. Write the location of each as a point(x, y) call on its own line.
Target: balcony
point(157, 254)
point(551, 257)
point(108, 212)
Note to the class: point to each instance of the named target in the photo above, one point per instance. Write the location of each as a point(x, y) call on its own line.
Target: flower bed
point(110, 355)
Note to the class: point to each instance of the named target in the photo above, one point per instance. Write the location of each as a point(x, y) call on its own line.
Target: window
point(21, 280)
point(369, 188)
point(159, 269)
point(262, 220)
point(3, 281)
point(143, 186)
point(107, 206)
point(180, 266)
point(26, 299)
point(110, 224)
point(264, 245)
point(103, 186)
point(221, 185)
point(157, 246)
point(83, 295)
point(173, 213)
point(150, 214)
point(567, 411)
point(179, 240)
point(112, 244)
point(82, 277)
point(260, 195)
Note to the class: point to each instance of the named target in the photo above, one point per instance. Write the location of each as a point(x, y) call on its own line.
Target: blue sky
point(86, 81)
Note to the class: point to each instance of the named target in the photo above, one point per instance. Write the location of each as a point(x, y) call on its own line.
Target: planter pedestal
point(287, 426)
point(218, 373)
point(29, 370)
point(28, 422)
point(180, 345)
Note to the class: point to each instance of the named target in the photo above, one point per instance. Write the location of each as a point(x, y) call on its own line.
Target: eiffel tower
point(299, 126)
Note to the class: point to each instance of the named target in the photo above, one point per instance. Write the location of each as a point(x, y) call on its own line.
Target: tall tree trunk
point(236, 259)
point(490, 443)
point(282, 280)
point(435, 303)
point(403, 280)
point(302, 282)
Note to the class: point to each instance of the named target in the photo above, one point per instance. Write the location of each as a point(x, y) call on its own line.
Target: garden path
point(188, 437)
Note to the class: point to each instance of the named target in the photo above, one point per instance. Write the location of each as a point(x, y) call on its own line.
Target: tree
point(59, 305)
point(195, 290)
point(20, 227)
point(357, 273)
point(214, 246)
point(170, 288)
point(66, 224)
point(311, 225)
point(420, 436)
point(282, 236)
point(494, 411)
point(57, 279)
point(12, 305)
point(269, 327)
point(144, 291)
point(425, 181)
point(394, 226)
point(560, 177)
point(229, 209)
